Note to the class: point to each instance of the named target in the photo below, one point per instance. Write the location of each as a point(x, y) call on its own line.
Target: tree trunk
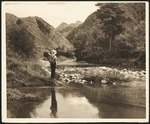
point(110, 42)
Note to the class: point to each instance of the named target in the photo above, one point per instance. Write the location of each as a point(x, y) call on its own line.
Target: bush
point(61, 51)
point(23, 42)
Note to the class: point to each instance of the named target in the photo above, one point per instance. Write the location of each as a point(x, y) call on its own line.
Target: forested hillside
point(114, 34)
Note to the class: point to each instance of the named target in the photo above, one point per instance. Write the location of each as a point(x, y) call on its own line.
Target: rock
point(141, 74)
point(103, 81)
point(65, 75)
point(68, 81)
point(83, 81)
point(80, 81)
point(103, 68)
point(144, 72)
point(91, 82)
point(124, 70)
point(115, 70)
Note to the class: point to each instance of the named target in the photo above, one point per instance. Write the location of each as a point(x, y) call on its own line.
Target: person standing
point(51, 57)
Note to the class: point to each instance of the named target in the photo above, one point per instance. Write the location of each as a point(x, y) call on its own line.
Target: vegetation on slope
point(92, 38)
point(26, 39)
point(32, 35)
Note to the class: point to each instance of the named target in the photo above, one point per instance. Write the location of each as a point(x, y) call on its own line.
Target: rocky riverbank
point(74, 76)
point(99, 75)
point(119, 86)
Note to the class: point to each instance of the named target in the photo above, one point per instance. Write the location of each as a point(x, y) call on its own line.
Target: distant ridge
point(65, 28)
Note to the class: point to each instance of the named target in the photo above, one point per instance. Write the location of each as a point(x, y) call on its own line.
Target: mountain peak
point(65, 28)
point(62, 26)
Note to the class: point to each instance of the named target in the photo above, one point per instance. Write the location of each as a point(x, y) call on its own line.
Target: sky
point(53, 12)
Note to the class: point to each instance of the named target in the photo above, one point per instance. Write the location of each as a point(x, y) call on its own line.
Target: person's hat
point(53, 52)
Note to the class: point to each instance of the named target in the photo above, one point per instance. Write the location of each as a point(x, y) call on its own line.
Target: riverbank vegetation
point(14, 95)
point(25, 73)
point(21, 72)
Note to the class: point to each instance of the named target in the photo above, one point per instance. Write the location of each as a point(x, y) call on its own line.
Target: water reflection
point(20, 110)
point(72, 103)
point(113, 110)
point(53, 106)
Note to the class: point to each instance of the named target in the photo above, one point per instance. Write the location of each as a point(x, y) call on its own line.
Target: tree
point(79, 45)
point(112, 20)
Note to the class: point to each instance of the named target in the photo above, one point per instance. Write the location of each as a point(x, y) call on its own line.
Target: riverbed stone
point(77, 74)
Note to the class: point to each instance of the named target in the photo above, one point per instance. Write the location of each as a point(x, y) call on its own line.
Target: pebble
point(103, 81)
point(124, 70)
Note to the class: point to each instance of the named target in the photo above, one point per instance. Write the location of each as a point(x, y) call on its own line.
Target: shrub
point(61, 51)
point(23, 42)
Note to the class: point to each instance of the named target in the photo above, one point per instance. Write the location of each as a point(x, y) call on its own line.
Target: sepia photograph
point(75, 61)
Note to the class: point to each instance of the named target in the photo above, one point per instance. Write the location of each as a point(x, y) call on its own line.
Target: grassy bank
point(14, 95)
point(26, 73)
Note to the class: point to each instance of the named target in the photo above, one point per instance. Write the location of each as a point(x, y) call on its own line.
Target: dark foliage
point(113, 21)
point(22, 42)
point(45, 54)
point(42, 27)
point(113, 35)
point(61, 51)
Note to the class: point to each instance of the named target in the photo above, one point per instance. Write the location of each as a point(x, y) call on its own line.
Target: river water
point(64, 102)
point(69, 103)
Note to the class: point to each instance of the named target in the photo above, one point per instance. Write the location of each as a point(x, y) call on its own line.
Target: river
point(69, 103)
point(72, 102)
